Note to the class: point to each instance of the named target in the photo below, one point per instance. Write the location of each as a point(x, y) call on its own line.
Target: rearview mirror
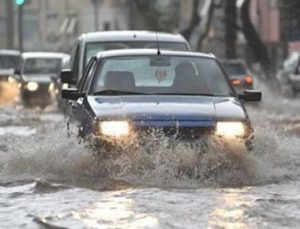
point(251, 96)
point(71, 94)
point(66, 76)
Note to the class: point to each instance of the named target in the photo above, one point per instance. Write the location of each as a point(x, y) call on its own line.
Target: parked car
point(34, 76)
point(89, 44)
point(289, 75)
point(9, 61)
point(239, 75)
point(126, 93)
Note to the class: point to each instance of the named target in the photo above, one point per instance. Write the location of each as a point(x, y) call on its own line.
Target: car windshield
point(9, 61)
point(160, 75)
point(233, 69)
point(94, 47)
point(42, 66)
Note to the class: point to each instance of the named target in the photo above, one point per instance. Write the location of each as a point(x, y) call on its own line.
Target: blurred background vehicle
point(289, 75)
point(34, 76)
point(239, 75)
point(88, 44)
point(9, 61)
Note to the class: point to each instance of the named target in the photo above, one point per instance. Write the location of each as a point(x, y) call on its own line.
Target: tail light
point(249, 80)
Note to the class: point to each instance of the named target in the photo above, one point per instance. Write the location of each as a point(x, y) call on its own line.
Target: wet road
point(50, 180)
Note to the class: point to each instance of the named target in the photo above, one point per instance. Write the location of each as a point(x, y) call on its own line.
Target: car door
point(78, 108)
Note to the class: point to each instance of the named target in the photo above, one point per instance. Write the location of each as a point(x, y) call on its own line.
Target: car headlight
point(230, 129)
point(51, 87)
point(65, 86)
point(114, 128)
point(32, 86)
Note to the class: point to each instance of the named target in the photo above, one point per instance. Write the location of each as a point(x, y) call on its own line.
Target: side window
point(75, 67)
point(85, 80)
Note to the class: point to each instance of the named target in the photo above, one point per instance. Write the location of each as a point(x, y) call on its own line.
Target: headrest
point(119, 80)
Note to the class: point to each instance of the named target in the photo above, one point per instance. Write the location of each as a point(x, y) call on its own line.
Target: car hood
point(200, 110)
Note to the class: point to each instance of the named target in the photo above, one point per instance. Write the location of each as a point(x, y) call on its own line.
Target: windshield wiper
point(117, 92)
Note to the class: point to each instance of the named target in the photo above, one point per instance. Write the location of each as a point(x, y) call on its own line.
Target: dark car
point(35, 74)
point(239, 75)
point(9, 61)
point(126, 93)
point(88, 44)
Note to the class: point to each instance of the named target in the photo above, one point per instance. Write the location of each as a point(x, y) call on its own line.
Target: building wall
point(54, 24)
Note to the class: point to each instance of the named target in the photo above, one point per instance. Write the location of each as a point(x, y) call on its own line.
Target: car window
point(233, 69)
point(9, 61)
point(93, 48)
point(42, 66)
point(162, 74)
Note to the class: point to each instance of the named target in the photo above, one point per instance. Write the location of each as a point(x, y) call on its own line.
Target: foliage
point(158, 16)
point(290, 9)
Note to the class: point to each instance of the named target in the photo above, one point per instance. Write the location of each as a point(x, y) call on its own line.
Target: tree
point(259, 49)
point(195, 19)
point(156, 16)
point(230, 28)
point(290, 9)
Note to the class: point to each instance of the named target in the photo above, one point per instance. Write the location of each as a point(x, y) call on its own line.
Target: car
point(88, 44)
point(34, 76)
point(289, 75)
point(124, 94)
point(239, 75)
point(9, 61)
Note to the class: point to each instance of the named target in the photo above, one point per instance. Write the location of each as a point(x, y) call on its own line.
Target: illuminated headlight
point(32, 86)
point(65, 86)
point(114, 128)
point(230, 129)
point(51, 87)
point(11, 80)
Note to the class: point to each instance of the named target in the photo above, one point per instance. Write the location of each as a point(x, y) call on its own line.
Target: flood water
point(49, 179)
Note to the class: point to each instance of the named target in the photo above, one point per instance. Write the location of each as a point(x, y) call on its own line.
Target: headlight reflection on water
point(116, 210)
point(231, 211)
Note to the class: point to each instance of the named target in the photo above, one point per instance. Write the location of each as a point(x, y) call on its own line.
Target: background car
point(34, 76)
point(289, 75)
point(127, 93)
point(88, 44)
point(239, 75)
point(9, 61)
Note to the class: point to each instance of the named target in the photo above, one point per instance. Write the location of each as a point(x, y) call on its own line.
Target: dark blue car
point(126, 93)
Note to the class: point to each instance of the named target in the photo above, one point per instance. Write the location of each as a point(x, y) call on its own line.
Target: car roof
point(232, 61)
point(26, 55)
point(10, 52)
point(150, 52)
point(129, 35)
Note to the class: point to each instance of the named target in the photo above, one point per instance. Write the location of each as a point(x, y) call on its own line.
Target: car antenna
point(157, 43)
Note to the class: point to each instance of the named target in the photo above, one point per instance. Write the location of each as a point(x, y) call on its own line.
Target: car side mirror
point(251, 96)
point(71, 94)
point(67, 76)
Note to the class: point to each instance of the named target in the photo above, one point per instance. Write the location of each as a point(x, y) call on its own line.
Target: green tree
point(290, 9)
point(156, 15)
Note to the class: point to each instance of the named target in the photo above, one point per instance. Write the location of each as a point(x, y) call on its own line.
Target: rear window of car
point(233, 69)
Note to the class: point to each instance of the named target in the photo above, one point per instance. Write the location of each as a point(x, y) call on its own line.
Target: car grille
point(181, 133)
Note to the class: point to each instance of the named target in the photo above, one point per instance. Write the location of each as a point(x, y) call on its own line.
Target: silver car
point(88, 44)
